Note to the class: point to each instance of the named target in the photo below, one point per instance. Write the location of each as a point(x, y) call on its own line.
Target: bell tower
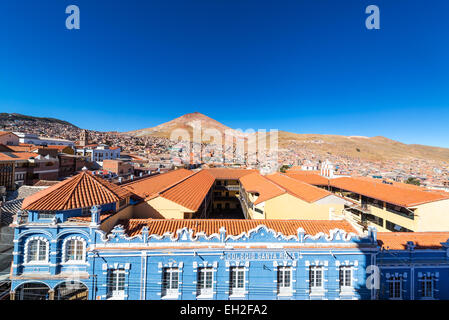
point(84, 138)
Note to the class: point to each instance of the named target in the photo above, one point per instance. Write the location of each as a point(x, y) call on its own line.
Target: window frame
point(116, 289)
point(282, 272)
point(76, 253)
point(392, 284)
point(37, 252)
point(170, 292)
point(313, 279)
point(202, 282)
point(344, 278)
point(424, 288)
point(237, 275)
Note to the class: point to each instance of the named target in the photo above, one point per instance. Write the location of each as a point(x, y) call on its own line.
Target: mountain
point(355, 147)
point(185, 122)
point(14, 117)
point(365, 148)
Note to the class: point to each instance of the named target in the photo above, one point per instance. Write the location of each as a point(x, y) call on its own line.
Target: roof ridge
point(302, 183)
point(178, 182)
point(78, 180)
point(106, 184)
point(129, 183)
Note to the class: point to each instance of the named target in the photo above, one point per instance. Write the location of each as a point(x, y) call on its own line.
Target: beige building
point(9, 138)
point(278, 196)
point(392, 206)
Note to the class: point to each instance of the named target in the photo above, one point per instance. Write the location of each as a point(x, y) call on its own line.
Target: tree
point(413, 180)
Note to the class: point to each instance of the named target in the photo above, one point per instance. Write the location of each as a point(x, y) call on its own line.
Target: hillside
point(355, 147)
point(14, 117)
point(184, 122)
point(365, 148)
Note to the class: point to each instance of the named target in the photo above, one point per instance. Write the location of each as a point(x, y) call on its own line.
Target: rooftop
point(422, 240)
point(80, 191)
point(298, 188)
point(256, 183)
point(308, 177)
point(229, 173)
point(401, 196)
point(148, 187)
point(191, 191)
point(234, 227)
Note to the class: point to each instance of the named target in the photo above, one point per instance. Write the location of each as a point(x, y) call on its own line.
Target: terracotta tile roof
point(80, 191)
point(103, 216)
point(22, 148)
point(298, 188)
point(13, 156)
point(308, 177)
point(406, 197)
point(190, 192)
point(229, 173)
point(150, 186)
point(57, 147)
point(256, 183)
point(299, 169)
point(2, 133)
point(422, 240)
point(234, 227)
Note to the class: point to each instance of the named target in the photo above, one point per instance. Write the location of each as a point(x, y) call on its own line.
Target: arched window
point(37, 250)
point(74, 249)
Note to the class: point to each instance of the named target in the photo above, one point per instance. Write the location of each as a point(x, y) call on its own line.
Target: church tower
point(84, 138)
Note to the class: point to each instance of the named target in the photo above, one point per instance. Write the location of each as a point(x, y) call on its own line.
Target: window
point(37, 250)
point(122, 203)
point(46, 215)
point(427, 287)
point(170, 282)
point(316, 278)
point(395, 287)
point(345, 278)
point(205, 281)
point(116, 283)
point(237, 281)
point(74, 250)
point(285, 280)
point(85, 211)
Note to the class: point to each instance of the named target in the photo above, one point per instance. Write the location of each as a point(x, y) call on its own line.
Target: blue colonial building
point(80, 240)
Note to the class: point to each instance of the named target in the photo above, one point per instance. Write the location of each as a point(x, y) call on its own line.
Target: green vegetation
point(284, 168)
point(414, 181)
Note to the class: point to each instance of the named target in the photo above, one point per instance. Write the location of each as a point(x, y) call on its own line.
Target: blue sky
point(300, 66)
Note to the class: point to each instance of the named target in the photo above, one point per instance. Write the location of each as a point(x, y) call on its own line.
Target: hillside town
point(153, 152)
point(69, 196)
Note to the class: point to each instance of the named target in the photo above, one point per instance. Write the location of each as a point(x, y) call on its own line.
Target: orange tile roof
point(57, 147)
point(191, 191)
point(406, 197)
point(298, 188)
point(2, 133)
point(256, 183)
point(12, 156)
point(22, 148)
point(308, 177)
point(147, 187)
point(299, 169)
point(422, 240)
point(103, 216)
point(229, 173)
point(234, 227)
point(80, 191)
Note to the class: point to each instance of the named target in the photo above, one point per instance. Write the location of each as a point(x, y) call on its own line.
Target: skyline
point(300, 66)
